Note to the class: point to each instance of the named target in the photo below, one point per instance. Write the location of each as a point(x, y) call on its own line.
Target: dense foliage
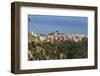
point(57, 50)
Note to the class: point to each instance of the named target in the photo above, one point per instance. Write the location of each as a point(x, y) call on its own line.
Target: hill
point(66, 49)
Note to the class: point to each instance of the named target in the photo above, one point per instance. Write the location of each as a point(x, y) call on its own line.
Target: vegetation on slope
point(58, 50)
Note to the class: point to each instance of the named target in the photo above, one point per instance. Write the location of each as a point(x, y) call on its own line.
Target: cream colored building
point(57, 36)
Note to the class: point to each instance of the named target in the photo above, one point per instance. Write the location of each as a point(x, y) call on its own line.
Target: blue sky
point(65, 24)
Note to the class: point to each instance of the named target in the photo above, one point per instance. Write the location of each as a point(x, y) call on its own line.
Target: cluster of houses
point(57, 36)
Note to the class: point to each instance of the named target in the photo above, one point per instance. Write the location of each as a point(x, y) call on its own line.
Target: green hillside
point(58, 50)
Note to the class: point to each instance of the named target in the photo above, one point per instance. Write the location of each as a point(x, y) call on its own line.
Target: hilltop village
point(57, 45)
point(58, 37)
